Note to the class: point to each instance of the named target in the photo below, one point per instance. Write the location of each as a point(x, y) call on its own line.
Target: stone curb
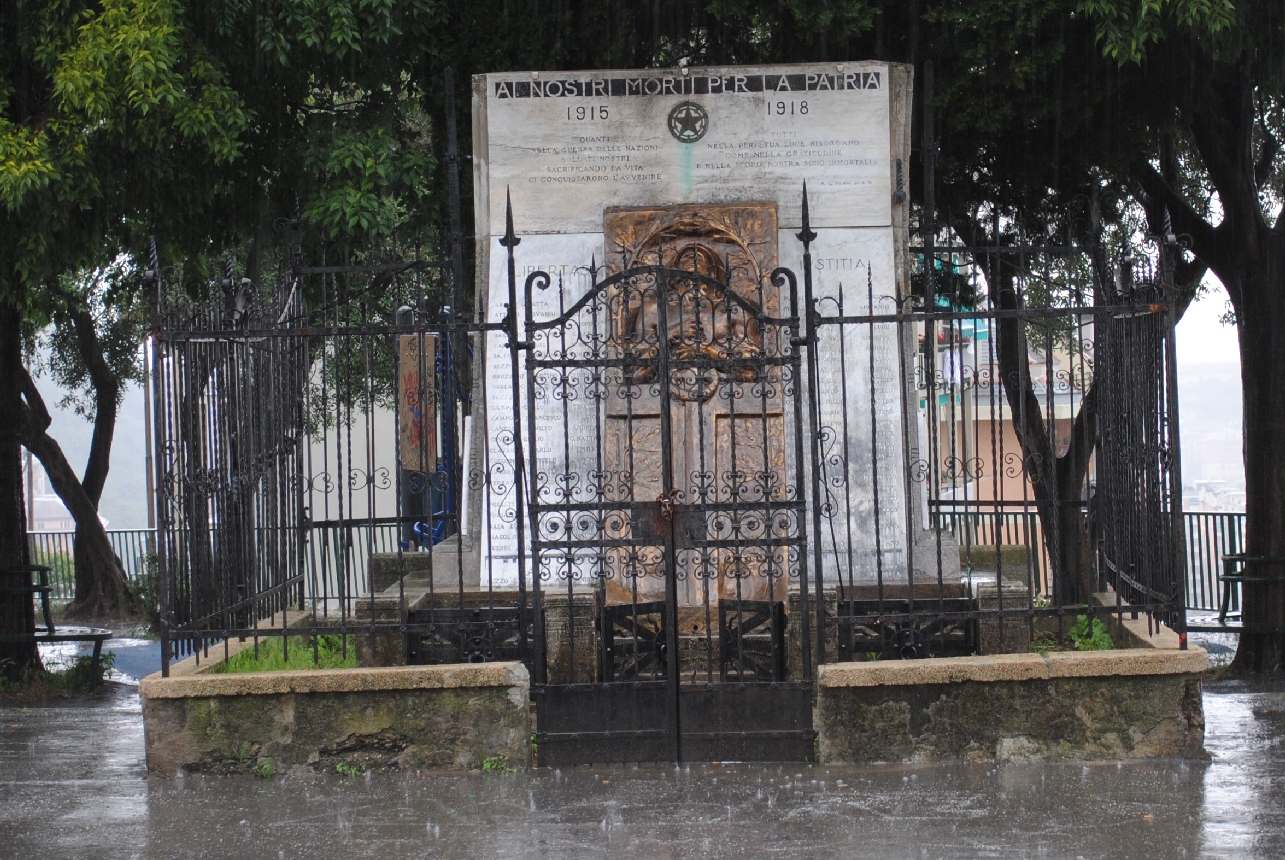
point(1014, 667)
point(451, 676)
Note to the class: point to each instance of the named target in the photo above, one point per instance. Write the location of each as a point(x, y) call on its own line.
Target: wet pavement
point(132, 658)
point(72, 784)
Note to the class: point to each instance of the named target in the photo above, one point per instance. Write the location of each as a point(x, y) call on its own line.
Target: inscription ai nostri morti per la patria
point(568, 146)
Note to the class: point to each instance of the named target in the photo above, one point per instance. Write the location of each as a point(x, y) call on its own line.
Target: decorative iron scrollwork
point(481, 635)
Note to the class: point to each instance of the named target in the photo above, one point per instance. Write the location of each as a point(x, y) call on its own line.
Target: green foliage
point(265, 770)
point(93, 96)
point(1086, 634)
point(1125, 29)
point(76, 679)
point(81, 676)
point(497, 764)
point(200, 122)
point(343, 768)
point(1090, 634)
point(330, 654)
point(146, 590)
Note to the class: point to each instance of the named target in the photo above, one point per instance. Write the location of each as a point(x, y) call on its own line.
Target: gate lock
point(667, 501)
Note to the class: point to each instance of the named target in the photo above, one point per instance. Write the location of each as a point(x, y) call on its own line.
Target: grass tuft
point(272, 655)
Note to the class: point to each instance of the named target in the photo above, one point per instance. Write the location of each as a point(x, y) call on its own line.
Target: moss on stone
point(1064, 718)
point(418, 728)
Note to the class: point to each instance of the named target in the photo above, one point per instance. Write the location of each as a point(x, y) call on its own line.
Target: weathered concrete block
point(439, 717)
point(384, 648)
point(444, 566)
point(571, 623)
point(1003, 634)
point(1103, 705)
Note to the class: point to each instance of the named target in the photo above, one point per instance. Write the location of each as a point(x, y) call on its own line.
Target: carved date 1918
point(787, 108)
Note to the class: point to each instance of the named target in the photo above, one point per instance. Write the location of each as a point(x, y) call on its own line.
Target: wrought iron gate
point(663, 417)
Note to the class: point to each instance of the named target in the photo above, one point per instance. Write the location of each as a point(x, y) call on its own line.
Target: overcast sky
point(1202, 339)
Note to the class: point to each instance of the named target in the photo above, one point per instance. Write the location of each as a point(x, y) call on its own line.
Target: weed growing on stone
point(345, 769)
point(1087, 634)
point(272, 655)
point(1090, 634)
point(497, 764)
point(1043, 643)
point(265, 770)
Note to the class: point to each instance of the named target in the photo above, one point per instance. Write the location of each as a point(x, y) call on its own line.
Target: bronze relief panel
point(726, 454)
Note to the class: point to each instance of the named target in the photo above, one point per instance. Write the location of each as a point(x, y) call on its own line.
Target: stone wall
point(430, 717)
point(1103, 705)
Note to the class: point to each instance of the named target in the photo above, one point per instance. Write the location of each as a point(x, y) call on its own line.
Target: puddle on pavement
point(134, 658)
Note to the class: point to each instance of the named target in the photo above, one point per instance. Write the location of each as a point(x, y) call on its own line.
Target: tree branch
point(106, 401)
point(1187, 275)
point(1075, 462)
point(1154, 194)
point(1266, 164)
point(34, 418)
point(33, 422)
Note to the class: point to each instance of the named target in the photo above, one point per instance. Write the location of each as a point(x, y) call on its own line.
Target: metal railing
point(57, 549)
point(1209, 535)
point(980, 530)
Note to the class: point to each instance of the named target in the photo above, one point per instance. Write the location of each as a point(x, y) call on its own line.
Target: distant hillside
point(1209, 408)
point(1209, 394)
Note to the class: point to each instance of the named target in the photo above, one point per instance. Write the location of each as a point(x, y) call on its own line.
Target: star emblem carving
point(688, 122)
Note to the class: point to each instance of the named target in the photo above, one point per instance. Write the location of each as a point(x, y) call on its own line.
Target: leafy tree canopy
point(199, 122)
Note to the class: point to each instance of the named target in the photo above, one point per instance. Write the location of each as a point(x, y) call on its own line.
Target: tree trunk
point(1056, 482)
point(109, 592)
point(1247, 253)
point(18, 654)
point(1261, 321)
point(97, 592)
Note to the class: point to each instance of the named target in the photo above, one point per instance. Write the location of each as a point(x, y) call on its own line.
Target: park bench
point(1235, 575)
point(17, 580)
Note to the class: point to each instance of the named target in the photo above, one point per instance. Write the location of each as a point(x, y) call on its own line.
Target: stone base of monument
point(407, 581)
point(566, 619)
point(1097, 705)
point(443, 567)
point(1001, 633)
point(571, 620)
point(936, 553)
point(407, 717)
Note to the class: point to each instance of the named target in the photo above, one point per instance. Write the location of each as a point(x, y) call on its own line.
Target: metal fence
point(1209, 536)
point(941, 477)
point(136, 549)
